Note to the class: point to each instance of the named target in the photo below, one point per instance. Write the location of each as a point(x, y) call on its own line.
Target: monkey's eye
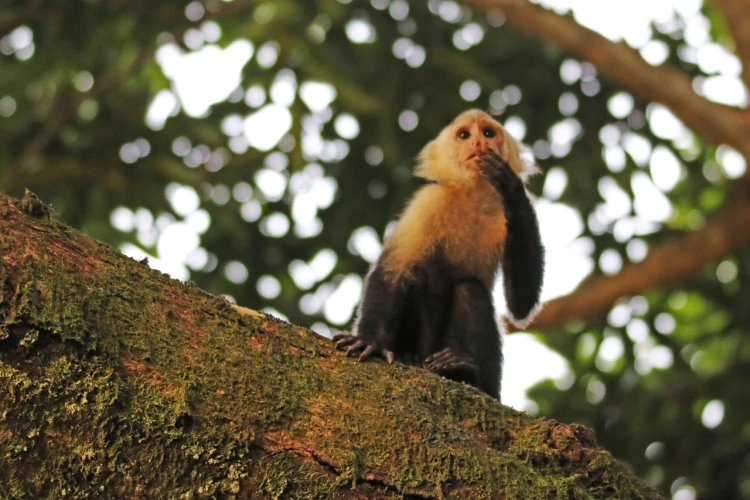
point(489, 132)
point(463, 135)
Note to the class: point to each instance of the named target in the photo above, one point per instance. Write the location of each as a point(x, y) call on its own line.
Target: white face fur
point(450, 158)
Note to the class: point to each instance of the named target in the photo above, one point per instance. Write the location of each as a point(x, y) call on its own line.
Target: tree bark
point(117, 381)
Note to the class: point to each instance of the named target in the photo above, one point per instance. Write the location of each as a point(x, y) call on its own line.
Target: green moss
point(286, 477)
point(113, 384)
point(117, 381)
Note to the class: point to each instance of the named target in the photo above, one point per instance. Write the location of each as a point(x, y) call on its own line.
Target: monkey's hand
point(502, 177)
point(364, 347)
point(449, 361)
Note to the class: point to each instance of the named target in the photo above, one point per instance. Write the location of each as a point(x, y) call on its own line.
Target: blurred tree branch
point(736, 15)
point(663, 84)
point(664, 265)
point(719, 123)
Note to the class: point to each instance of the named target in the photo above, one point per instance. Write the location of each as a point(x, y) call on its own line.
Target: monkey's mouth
point(476, 155)
point(471, 165)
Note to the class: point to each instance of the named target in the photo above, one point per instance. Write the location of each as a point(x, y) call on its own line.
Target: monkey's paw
point(364, 347)
point(500, 174)
point(449, 360)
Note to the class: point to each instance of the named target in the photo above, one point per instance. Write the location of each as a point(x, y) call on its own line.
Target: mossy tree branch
point(117, 381)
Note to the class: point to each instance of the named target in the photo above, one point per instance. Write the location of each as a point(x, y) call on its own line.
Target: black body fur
point(438, 316)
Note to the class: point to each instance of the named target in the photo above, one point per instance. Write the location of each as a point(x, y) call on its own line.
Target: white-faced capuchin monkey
point(428, 299)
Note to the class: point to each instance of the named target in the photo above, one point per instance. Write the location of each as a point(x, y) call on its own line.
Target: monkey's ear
point(519, 157)
point(426, 157)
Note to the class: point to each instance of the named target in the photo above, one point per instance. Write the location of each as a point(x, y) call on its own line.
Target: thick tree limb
point(737, 17)
point(116, 381)
point(719, 123)
point(664, 265)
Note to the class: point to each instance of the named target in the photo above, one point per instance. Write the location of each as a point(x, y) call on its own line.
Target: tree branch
point(117, 381)
point(664, 265)
point(737, 17)
point(663, 84)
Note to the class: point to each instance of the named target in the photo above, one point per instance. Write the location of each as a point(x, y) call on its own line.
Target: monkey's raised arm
point(377, 318)
point(523, 255)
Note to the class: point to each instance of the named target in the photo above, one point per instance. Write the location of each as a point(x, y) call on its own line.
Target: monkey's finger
point(453, 364)
point(346, 342)
point(432, 357)
point(497, 166)
point(445, 360)
point(352, 350)
point(493, 158)
point(442, 361)
point(436, 367)
point(341, 336)
point(366, 353)
point(494, 154)
point(495, 169)
point(483, 166)
point(439, 360)
point(388, 355)
point(492, 172)
point(463, 358)
point(460, 366)
point(439, 364)
point(442, 356)
point(506, 172)
point(502, 177)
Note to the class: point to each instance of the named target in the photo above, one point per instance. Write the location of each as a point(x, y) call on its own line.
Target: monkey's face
point(450, 158)
point(473, 135)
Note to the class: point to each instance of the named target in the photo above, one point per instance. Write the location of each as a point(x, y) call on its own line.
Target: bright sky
point(210, 75)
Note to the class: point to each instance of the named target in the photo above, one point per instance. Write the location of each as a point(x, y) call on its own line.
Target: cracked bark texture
point(116, 381)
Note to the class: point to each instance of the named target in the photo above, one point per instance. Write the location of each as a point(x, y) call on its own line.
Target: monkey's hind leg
point(473, 352)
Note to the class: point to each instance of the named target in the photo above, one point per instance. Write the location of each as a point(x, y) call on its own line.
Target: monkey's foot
point(364, 347)
point(448, 360)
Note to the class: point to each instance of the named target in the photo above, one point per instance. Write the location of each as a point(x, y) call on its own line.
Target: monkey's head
point(451, 157)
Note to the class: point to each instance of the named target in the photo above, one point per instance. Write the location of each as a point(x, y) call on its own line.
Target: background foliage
point(661, 378)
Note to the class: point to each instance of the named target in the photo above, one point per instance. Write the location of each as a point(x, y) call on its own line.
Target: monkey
point(427, 300)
